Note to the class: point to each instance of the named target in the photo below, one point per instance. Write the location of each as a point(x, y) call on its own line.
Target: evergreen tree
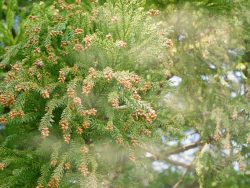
point(79, 76)
point(90, 87)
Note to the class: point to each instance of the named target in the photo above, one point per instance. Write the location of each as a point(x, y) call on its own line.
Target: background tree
point(211, 103)
point(76, 76)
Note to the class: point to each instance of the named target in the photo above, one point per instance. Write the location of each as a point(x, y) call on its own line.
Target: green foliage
point(203, 58)
point(86, 92)
point(10, 29)
point(73, 77)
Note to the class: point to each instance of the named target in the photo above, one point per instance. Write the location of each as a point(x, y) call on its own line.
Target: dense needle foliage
point(88, 88)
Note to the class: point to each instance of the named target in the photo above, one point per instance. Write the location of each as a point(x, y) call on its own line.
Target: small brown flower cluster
point(146, 132)
point(109, 36)
point(84, 170)
point(48, 48)
point(52, 57)
point(114, 102)
point(169, 43)
point(64, 124)
point(55, 33)
point(69, 7)
point(39, 186)
point(147, 86)
point(78, 47)
point(88, 40)
point(121, 44)
point(92, 72)
point(131, 158)
point(84, 149)
point(39, 64)
point(151, 116)
point(127, 81)
point(85, 124)
point(32, 17)
point(13, 114)
point(66, 138)
point(61, 77)
point(110, 126)
point(33, 41)
point(217, 136)
point(39, 76)
point(2, 166)
point(148, 117)
point(37, 50)
point(235, 115)
point(90, 112)
point(136, 96)
point(78, 31)
point(87, 87)
point(78, 2)
point(242, 166)
point(77, 100)
point(3, 120)
point(63, 44)
point(53, 183)
point(10, 76)
point(135, 79)
point(57, 18)
point(134, 141)
point(227, 144)
point(66, 166)
point(153, 12)
point(79, 12)
point(45, 94)
point(126, 84)
point(62, 4)
point(75, 69)
point(7, 99)
point(79, 130)
point(45, 132)
point(16, 67)
point(126, 127)
point(71, 92)
point(36, 29)
point(94, 1)
point(119, 140)
point(108, 74)
point(20, 88)
point(53, 163)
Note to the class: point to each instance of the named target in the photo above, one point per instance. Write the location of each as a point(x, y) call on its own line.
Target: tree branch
point(163, 155)
point(184, 148)
point(177, 163)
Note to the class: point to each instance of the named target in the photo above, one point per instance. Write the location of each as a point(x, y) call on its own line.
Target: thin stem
point(177, 163)
point(193, 162)
point(184, 148)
